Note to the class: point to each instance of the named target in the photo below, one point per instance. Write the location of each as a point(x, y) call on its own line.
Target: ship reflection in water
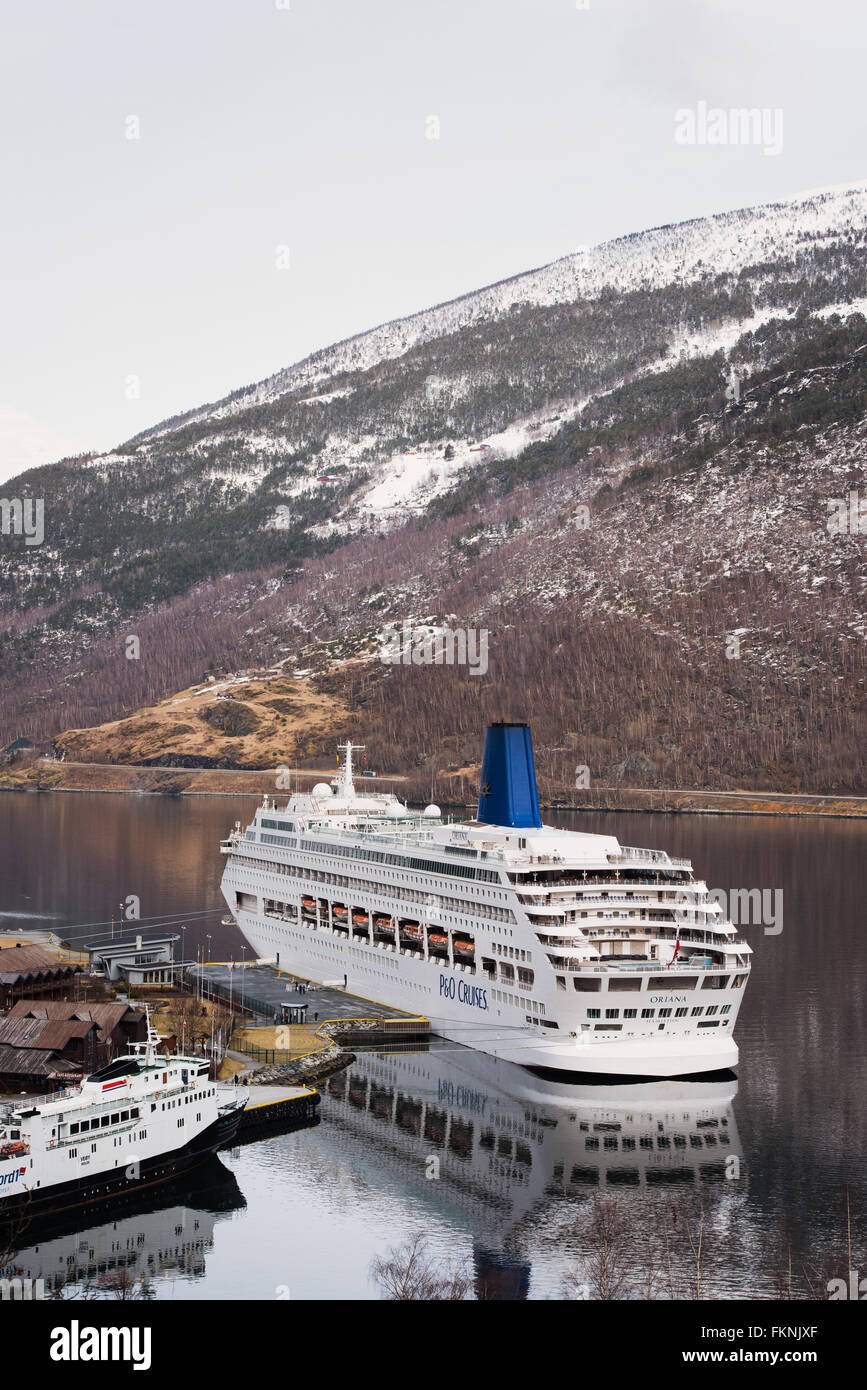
point(508, 1153)
point(165, 1233)
point(500, 1166)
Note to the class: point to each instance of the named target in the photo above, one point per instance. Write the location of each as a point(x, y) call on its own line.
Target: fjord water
point(302, 1215)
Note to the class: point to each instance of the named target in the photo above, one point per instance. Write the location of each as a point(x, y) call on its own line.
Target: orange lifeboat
point(464, 948)
point(411, 929)
point(438, 940)
point(338, 910)
point(13, 1150)
point(360, 918)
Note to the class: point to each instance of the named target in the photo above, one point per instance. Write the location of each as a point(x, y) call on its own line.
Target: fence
point(263, 1054)
point(241, 1002)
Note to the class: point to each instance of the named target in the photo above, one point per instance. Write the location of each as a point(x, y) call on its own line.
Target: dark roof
point(58, 1034)
point(21, 1032)
point(105, 1016)
point(33, 1061)
point(43, 1033)
point(18, 743)
point(109, 948)
point(19, 962)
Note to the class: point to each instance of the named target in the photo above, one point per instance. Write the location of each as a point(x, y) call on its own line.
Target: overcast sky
point(306, 124)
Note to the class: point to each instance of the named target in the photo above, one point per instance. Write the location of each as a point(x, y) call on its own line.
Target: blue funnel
point(508, 792)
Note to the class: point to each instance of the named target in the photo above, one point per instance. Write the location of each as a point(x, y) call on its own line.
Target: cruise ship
point(564, 952)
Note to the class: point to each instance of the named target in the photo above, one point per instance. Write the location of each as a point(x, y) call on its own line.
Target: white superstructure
point(558, 950)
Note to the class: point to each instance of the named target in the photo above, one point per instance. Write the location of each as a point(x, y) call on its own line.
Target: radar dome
point(432, 811)
point(394, 810)
point(322, 789)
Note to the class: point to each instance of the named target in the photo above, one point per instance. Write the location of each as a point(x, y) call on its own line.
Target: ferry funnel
point(508, 792)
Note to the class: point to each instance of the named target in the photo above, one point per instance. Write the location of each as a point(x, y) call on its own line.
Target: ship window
point(124, 1114)
point(625, 984)
point(612, 1013)
point(73, 1129)
point(115, 1117)
point(594, 1013)
point(680, 1013)
point(104, 1121)
point(630, 1013)
point(648, 1013)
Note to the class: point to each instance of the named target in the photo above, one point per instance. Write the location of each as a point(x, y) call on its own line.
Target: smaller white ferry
point(137, 1122)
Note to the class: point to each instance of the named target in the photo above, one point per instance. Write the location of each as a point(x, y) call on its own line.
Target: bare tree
point(409, 1272)
point(12, 1233)
point(606, 1271)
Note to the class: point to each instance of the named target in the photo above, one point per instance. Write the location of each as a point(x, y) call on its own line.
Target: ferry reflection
point(504, 1146)
point(165, 1233)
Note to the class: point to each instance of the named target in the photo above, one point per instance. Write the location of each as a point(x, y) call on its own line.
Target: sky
point(198, 194)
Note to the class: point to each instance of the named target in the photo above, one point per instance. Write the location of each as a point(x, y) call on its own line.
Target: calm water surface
point(302, 1215)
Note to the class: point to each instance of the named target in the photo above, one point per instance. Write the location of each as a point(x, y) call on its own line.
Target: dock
point(266, 989)
point(277, 1108)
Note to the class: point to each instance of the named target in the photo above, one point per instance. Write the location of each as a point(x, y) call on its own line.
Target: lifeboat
point(338, 910)
point(437, 940)
point(464, 948)
point(382, 922)
point(360, 919)
point(411, 929)
point(13, 1150)
point(308, 905)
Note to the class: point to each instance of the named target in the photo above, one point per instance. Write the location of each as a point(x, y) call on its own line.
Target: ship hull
point(95, 1187)
point(416, 986)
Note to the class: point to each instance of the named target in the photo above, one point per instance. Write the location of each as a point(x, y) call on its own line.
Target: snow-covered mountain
point(499, 369)
point(679, 254)
point(697, 391)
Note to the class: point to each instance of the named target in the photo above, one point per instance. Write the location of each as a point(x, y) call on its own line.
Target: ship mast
point(343, 781)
